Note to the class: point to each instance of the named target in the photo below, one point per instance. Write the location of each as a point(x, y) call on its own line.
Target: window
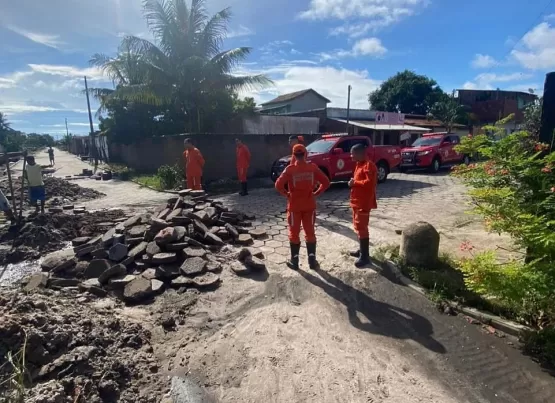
point(347, 144)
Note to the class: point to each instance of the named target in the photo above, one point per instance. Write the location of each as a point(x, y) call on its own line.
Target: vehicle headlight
point(421, 153)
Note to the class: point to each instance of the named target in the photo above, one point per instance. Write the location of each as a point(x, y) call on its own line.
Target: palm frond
point(214, 32)
point(144, 93)
point(239, 83)
point(226, 61)
point(160, 18)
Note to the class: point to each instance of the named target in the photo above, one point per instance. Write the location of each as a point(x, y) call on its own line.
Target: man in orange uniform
point(363, 199)
point(243, 162)
point(194, 162)
point(301, 177)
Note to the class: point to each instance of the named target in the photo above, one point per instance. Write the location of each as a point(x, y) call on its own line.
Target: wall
point(218, 151)
point(264, 124)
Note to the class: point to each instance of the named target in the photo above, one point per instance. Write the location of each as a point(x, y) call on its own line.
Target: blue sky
point(322, 44)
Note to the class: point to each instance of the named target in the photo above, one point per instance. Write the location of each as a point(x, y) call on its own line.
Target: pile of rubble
point(182, 245)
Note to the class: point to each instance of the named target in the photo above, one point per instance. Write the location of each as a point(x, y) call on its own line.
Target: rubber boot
point(245, 188)
point(242, 191)
point(311, 249)
point(293, 263)
point(364, 257)
point(355, 253)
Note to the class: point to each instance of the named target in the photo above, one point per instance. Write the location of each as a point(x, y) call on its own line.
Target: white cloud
point(329, 81)
point(52, 41)
point(378, 9)
point(490, 81)
point(240, 31)
point(67, 71)
point(481, 61)
point(372, 47)
point(537, 51)
point(69, 124)
point(549, 17)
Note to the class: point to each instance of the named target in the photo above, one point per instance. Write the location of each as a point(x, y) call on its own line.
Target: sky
point(321, 44)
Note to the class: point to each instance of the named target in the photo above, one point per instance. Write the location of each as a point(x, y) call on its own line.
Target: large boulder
point(419, 245)
point(59, 261)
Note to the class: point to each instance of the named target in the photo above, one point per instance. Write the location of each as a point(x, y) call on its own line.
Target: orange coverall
point(243, 162)
point(363, 196)
point(301, 178)
point(194, 162)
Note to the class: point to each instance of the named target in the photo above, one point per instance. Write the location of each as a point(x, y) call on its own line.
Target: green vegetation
point(13, 140)
point(182, 82)
point(166, 178)
point(13, 375)
point(449, 112)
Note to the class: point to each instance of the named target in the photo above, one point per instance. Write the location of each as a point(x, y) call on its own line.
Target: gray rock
point(233, 233)
point(93, 286)
point(138, 250)
point(167, 271)
point(138, 290)
point(96, 268)
point(137, 231)
point(62, 282)
point(214, 267)
point(118, 252)
point(152, 249)
point(84, 250)
point(80, 241)
point(194, 252)
point(213, 239)
point(180, 232)
point(419, 245)
point(58, 262)
point(258, 233)
point(163, 258)
point(182, 281)
point(158, 224)
point(255, 264)
point(99, 253)
point(149, 274)
point(239, 268)
point(166, 236)
point(193, 266)
point(36, 281)
point(176, 247)
point(114, 271)
point(108, 237)
point(206, 280)
point(156, 285)
point(244, 239)
point(244, 254)
point(121, 281)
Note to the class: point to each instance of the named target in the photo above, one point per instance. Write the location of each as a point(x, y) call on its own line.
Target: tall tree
point(406, 92)
point(185, 68)
point(449, 112)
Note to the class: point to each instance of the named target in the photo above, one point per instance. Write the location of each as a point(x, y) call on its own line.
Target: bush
point(170, 176)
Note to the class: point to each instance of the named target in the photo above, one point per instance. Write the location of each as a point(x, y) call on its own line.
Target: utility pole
point(93, 145)
point(67, 130)
point(348, 106)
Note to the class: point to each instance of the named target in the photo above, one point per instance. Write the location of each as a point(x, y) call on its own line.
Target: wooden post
point(22, 188)
point(10, 184)
point(548, 117)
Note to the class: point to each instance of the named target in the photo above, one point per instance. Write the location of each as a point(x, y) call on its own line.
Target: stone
point(172, 200)
point(200, 227)
point(181, 281)
point(108, 237)
point(120, 228)
point(180, 232)
point(181, 220)
point(195, 193)
point(99, 253)
point(149, 274)
point(163, 258)
point(137, 231)
point(167, 271)
point(164, 213)
point(158, 224)
point(206, 280)
point(419, 245)
point(242, 230)
point(121, 281)
point(244, 239)
point(156, 286)
point(194, 252)
point(244, 254)
point(255, 263)
point(78, 269)
point(176, 247)
point(193, 242)
point(59, 261)
point(138, 290)
point(214, 267)
point(256, 252)
point(132, 221)
point(95, 241)
point(239, 268)
point(132, 242)
point(213, 239)
point(79, 210)
point(127, 261)
point(174, 213)
point(80, 240)
point(184, 192)
point(229, 218)
point(193, 266)
point(222, 233)
point(36, 281)
point(114, 271)
point(233, 233)
point(63, 282)
point(67, 206)
point(138, 250)
point(93, 286)
point(258, 233)
point(165, 236)
point(84, 250)
point(202, 216)
point(96, 268)
point(178, 203)
point(55, 210)
point(211, 212)
point(118, 238)
point(118, 252)
point(141, 266)
point(200, 206)
point(152, 249)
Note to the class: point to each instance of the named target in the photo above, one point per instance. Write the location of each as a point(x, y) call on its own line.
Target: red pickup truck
point(432, 151)
point(332, 153)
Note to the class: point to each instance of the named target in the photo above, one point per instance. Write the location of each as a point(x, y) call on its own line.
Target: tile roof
point(293, 95)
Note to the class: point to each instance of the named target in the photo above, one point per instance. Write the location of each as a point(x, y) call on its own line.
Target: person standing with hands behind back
point(243, 162)
point(194, 162)
point(33, 174)
point(363, 199)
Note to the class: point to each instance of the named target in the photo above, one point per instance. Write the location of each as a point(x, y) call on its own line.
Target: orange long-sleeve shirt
point(194, 162)
point(363, 191)
point(243, 156)
point(301, 178)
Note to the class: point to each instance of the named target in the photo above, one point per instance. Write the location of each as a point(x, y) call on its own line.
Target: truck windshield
point(320, 146)
point(427, 141)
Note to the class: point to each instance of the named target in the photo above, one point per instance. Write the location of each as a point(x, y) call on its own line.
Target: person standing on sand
point(194, 163)
point(33, 174)
point(51, 155)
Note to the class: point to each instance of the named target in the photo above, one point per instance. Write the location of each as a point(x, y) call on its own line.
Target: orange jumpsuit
point(243, 162)
point(194, 162)
point(363, 196)
point(301, 178)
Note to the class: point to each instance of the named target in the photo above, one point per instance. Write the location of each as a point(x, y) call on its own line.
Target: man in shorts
point(33, 174)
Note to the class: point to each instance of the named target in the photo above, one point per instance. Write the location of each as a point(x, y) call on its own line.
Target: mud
point(76, 349)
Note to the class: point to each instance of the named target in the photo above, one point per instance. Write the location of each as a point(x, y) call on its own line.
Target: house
point(299, 101)
point(434, 125)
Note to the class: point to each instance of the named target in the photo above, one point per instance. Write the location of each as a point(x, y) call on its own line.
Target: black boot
point(311, 249)
point(355, 253)
point(245, 188)
point(242, 191)
point(364, 257)
point(293, 263)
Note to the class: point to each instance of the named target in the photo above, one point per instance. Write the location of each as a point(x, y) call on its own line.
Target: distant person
point(5, 207)
point(51, 155)
point(33, 174)
point(295, 139)
point(363, 200)
point(243, 162)
point(194, 163)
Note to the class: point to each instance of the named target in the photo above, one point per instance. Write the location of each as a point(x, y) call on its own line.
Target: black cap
point(358, 147)
point(294, 137)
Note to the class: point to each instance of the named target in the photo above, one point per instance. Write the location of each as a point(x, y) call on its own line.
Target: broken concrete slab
point(114, 271)
point(138, 250)
point(194, 252)
point(152, 249)
point(164, 258)
point(137, 290)
point(193, 266)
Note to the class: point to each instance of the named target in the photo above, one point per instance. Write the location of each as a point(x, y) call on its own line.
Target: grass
point(152, 181)
point(14, 382)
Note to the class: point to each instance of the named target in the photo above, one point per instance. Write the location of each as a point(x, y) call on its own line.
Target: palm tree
point(448, 111)
point(185, 67)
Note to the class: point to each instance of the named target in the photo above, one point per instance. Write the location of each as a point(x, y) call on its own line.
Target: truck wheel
point(436, 165)
point(383, 171)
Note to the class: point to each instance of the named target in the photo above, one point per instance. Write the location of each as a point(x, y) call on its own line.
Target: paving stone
point(256, 252)
point(214, 267)
point(152, 249)
point(132, 221)
point(276, 258)
point(176, 247)
point(157, 286)
point(58, 262)
point(121, 281)
point(36, 281)
point(255, 264)
point(239, 268)
point(174, 213)
point(258, 233)
point(108, 237)
point(118, 252)
point(244, 239)
point(96, 268)
point(193, 266)
point(149, 274)
point(181, 220)
point(158, 224)
point(164, 258)
point(180, 233)
point(138, 290)
point(206, 280)
point(168, 271)
point(164, 213)
point(114, 271)
point(132, 242)
point(200, 227)
point(194, 252)
point(138, 250)
point(184, 192)
point(137, 231)
point(233, 233)
point(181, 281)
point(165, 236)
point(84, 250)
point(80, 241)
point(93, 286)
point(55, 282)
point(273, 244)
point(213, 239)
point(283, 251)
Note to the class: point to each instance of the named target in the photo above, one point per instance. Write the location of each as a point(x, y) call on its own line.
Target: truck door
point(446, 149)
point(341, 164)
point(455, 141)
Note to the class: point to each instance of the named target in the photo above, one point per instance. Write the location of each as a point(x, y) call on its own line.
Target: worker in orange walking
point(363, 199)
point(301, 177)
point(243, 162)
point(194, 162)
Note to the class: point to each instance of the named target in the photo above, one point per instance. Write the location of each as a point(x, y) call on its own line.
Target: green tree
point(243, 107)
point(449, 112)
point(184, 70)
point(532, 118)
point(406, 92)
